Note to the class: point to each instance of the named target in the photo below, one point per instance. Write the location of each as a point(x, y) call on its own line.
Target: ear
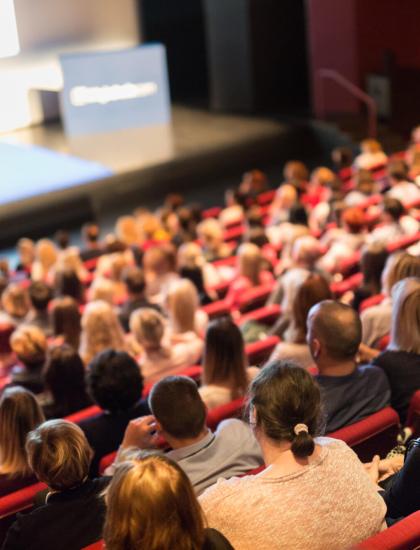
point(315, 348)
point(159, 428)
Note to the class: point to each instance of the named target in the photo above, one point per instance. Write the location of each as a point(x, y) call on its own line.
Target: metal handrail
point(330, 74)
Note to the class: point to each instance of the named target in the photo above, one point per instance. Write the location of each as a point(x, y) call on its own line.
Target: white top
point(376, 322)
point(405, 191)
point(215, 396)
point(298, 353)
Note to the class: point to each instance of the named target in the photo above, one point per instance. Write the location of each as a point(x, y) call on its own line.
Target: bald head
point(336, 327)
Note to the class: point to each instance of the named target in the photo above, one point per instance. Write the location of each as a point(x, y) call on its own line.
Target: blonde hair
point(151, 504)
point(250, 262)
point(211, 233)
point(46, 253)
point(101, 330)
point(19, 414)
point(397, 267)
point(190, 255)
point(102, 289)
point(15, 300)
point(127, 230)
point(148, 327)
point(370, 146)
point(323, 176)
point(182, 303)
point(59, 454)
point(29, 343)
point(405, 325)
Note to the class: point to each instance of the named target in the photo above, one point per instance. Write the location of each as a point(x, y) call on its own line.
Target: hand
point(141, 433)
point(372, 468)
point(366, 354)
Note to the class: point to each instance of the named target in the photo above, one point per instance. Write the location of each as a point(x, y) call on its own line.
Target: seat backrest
point(413, 416)
point(267, 315)
point(216, 309)
point(100, 545)
point(89, 412)
point(403, 535)
point(376, 434)
point(403, 242)
point(372, 301)
point(233, 409)
point(195, 372)
point(106, 461)
point(5, 333)
point(255, 297)
point(350, 283)
point(259, 352)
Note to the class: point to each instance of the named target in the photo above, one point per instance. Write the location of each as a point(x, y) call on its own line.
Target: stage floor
point(197, 148)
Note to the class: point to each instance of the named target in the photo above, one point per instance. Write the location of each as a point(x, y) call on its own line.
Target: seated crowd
point(99, 402)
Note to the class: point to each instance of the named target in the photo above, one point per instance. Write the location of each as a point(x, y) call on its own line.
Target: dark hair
point(372, 264)
point(394, 208)
point(90, 232)
point(64, 377)
point(298, 215)
point(114, 380)
point(284, 395)
point(62, 238)
point(40, 295)
point(67, 283)
point(65, 317)
point(224, 359)
point(338, 326)
point(178, 407)
point(256, 235)
point(195, 275)
point(398, 170)
point(134, 280)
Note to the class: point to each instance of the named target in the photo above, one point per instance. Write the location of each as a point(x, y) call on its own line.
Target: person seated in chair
point(350, 392)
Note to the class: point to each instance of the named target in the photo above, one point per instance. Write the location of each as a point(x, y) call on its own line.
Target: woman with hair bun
point(314, 492)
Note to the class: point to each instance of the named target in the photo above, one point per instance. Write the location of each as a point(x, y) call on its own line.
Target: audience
point(46, 256)
point(179, 416)
point(40, 296)
point(225, 373)
point(115, 384)
point(135, 286)
point(371, 155)
point(186, 320)
point(19, 414)
point(350, 392)
point(66, 321)
point(131, 525)
point(92, 248)
point(15, 304)
point(29, 344)
point(73, 513)
point(64, 382)
point(372, 263)
point(297, 492)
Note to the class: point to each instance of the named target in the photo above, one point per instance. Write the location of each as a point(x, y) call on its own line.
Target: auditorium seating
point(413, 416)
point(376, 434)
point(266, 315)
point(259, 352)
point(404, 535)
point(234, 409)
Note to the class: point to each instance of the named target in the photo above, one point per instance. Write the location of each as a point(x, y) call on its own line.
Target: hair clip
point(299, 428)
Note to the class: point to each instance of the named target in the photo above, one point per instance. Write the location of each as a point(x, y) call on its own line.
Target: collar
point(191, 450)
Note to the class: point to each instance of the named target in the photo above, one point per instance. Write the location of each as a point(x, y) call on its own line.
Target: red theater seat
point(234, 234)
point(404, 535)
point(255, 297)
point(89, 412)
point(267, 315)
point(372, 301)
point(5, 333)
point(211, 212)
point(195, 372)
point(403, 242)
point(376, 434)
point(106, 461)
point(234, 409)
point(100, 545)
point(267, 197)
point(216, 309)
point(259, 352)
point(351, 283)
point(413, 416)
point(350, 264)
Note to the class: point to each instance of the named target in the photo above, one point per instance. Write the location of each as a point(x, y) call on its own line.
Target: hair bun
point(303, 444)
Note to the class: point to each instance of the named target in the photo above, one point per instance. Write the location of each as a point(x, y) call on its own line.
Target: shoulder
point(371, 371)
point(234, 429)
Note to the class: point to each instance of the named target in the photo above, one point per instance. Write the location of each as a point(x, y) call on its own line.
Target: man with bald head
point(350, 392)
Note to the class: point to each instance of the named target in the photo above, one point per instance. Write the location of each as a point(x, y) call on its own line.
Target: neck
point(330, 367)
point(279, 455)
point(175, 443)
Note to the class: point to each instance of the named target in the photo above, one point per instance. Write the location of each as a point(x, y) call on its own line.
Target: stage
point(131, 167)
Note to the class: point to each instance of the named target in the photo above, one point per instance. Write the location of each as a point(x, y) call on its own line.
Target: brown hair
point(398, 267)
point(283, 395)
point(250, 262)
point(151, 504)
point(314, 290)
point(295, 170)
point(405, 326)
point(19, 414)
point(15, 300)
point(30, 344)
point(65, 316)
point(59, 454)
point(224, 357)
point(354, 219)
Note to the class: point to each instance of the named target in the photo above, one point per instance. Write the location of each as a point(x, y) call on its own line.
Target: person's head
point(250, 262)
point(102, 289)
point(19, 414)
point(190, 255)
point(298, 215)
point(159, 260)
point(117, 266)
point(64, 374)
point(323, 177)
point(306, 251)
point(211, 234)
point(256, 236)
point(392, 210)
point(224, 359)
point(40, 295)
point(234, 197)
point(415, 135)
point(178, 408)
point(114, 381)
point(284, 405)
point(397, 171)
point(254, 181)
point(334, 333)
point(15, 301)
point(148, 328)
point(59, 454)
point(151, 504)
point(90, 234)
point(133, 278)
point(405, 325)
point(67, 283)
point(370, 146)
point(195, 275)
point(182, 302)
point(397, 267)
point(127, 231)
point(353, 220)
point(65, 318)
point(372, 264)
point(26, 251)
point(62, 238)
point(30, 345)
point(314, 290)
point(46, 253)
point(101, 330)
point(295, 170)
point(342, 157)
point(286, 196)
